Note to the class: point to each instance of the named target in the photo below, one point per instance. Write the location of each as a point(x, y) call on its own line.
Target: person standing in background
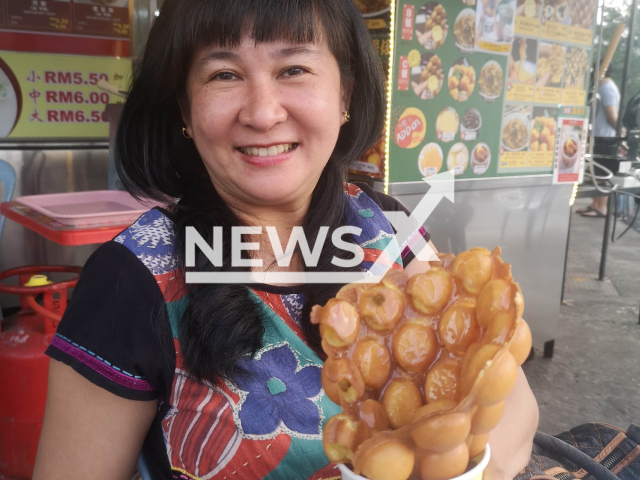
point(608, 104)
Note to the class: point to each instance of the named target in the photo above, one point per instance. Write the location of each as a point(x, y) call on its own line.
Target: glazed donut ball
point(390, 460)
point(401, 399)
point(474, 268)
point(415, 346)
point(347, 377)
point(430, 291)
point(373, 414)
point(445, 465)
point(374, 361)
point(381, 307)
point(440, 433)
point(341, 437)
point(476, 444)
point(339, 322)
point(442, 381)
point(486, 418)
point(433, 407)
point(521, 342)
point(495, 297)
point(458, 327)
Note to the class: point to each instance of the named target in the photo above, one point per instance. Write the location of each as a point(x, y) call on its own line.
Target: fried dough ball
point(521, 342)
point(347, 377)
point(476, 444)
point(474, 268)
point(458, 327)
point(342, 436)
point(401, 399)
point(433, 407)
point(430, 291)
point(339, 322)
point(374, 362)
point(445, 465)
point(441, 432)
point(495, 297)
point(497, 380)
point(381, 307)
point(330, 388)
point(415, 346)
point(474, 362)
point(486, 418)
point(391, 460)
point(372, 413)
point(442, 381)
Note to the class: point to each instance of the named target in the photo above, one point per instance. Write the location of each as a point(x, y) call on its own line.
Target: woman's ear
point(185, 111)
point(346, 98)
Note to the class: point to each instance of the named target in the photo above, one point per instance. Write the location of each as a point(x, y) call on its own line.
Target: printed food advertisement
point(478, 85)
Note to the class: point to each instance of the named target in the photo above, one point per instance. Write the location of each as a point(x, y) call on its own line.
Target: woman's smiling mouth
point(264, 156)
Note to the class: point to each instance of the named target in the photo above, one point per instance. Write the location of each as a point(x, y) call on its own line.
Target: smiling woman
point(241, 114)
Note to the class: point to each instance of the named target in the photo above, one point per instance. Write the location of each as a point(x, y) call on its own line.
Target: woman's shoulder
point(151, 238)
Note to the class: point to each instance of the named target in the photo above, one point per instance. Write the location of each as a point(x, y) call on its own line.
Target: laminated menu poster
point(488, 109)
point(80, 27)
point(568, 164)
point(52, 96)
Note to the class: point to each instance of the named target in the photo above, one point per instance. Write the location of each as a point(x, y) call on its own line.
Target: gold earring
point(184, 133)
point(346, 116)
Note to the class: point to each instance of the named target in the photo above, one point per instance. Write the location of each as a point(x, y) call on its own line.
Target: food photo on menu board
point(556, 11)
point(577, 68)
point(522, 61)
point(447, 124)
point(470, 124)
point(464, 29)
point(583, 13)
point(458, 158)
point(495, 25)
point(543, 131)
point(569, 162)
point(427, 77)
point(430, 159)
point(491, 80)
point(372, 8)
point(480, 158)
point(550, 66)
point(529, 9)
point(515, 130)
point(431, 25)
point(461, 80)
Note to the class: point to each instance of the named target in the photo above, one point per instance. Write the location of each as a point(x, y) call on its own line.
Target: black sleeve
point(390, 204)
point(115, 331)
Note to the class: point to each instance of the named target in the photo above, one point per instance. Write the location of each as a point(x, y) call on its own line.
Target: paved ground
point(595, 372)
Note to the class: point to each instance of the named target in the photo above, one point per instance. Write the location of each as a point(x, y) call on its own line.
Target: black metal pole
point(625, 70)
point(605, 238)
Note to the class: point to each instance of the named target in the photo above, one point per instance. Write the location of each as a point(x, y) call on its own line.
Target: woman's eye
point(294, 71)
point(224, 76)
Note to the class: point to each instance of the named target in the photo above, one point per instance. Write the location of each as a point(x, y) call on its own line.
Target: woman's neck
point(284, 218)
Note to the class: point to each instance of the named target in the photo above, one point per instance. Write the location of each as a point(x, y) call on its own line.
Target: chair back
point(8, 178)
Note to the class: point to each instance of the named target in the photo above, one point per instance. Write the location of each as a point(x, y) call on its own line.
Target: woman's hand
point(89, 432)
point(512, 439)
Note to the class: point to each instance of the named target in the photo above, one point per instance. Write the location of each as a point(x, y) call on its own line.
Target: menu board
point(56, 95)
point(478, 86)
point(90, 27)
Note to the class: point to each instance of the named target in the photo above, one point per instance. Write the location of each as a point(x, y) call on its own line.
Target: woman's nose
point(263, 108)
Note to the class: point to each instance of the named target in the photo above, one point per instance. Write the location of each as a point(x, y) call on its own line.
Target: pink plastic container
point(88, 208)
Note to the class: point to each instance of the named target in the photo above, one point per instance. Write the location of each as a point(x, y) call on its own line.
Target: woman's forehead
point(275, 50)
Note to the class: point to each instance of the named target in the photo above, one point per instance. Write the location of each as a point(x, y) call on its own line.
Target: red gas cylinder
point(24, 366)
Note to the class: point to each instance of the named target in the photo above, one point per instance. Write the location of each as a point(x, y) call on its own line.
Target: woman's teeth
point(268, 152)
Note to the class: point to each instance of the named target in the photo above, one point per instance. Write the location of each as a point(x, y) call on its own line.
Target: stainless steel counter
point(527, 217)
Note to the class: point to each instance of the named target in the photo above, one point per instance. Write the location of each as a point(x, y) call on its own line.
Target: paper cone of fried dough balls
point(422, 366)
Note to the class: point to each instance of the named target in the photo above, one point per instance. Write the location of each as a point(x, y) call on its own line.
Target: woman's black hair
point(154, 160)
